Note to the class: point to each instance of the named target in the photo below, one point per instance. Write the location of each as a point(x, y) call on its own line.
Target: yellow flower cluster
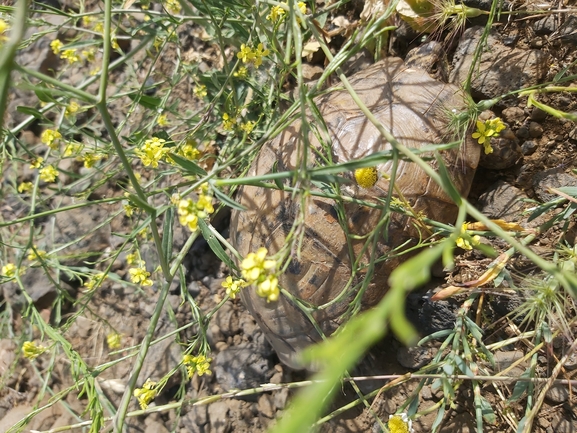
point(467, 242)
point(241, 73)
point(228, 122)
point(256, 269)
point(9, 270)
point(72, 108)
point(140, 275)
point(248, 126)
point(173, 6)
point(32, 350)
point(3, 29)
point(94, 281)
point(277, 13)
point(113, 340)
point(70, 56)
point(254, 56)
point(25, 187)
point(197, 364)
point(233, 286)
point(152, 151)
point(145, 394)
point(48, 174)
point(200, 91)
point(189, 151)
point(189, 211)
point(51, 138)
point(366, 177)
point(36, 254)
point(90, 159)
point(486, 130)
point(56, 46)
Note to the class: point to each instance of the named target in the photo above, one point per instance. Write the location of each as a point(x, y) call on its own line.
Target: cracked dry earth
point(537, 152)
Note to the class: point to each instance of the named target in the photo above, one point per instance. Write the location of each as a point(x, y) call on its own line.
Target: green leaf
point(277, 182)
point(486, 410)
point(188, 165)
point(167, 233)
point(417, 270)
point(462, 365)
point(31, 112)
point(150, 102)
point(446, 181)
point(438, 419)
point(214, 244)
point(227, 200)
point(521, 386)
point(435, 336)
point(43, 94)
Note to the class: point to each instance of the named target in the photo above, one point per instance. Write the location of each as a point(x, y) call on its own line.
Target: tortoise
point(414, 106)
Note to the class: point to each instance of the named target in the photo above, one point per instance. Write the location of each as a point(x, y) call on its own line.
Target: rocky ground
point(536, 153)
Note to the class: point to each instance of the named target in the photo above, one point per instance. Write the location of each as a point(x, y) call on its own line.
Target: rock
point(218, 416)
point(265, 406)
point(557, 394)
point(414, 357)
point(551, 179)
point(226, 318)
point(195, 420)
point(504, 360)
point(523, 132)
point(567, 32)
point(153, 426)
point(242, 367)
point(502, 201)
point(535, 130)
point(563, 425)
point(547, 25)
point(280, 398)
point(501, 69)
point(463, 423)
point(513, 115)
point(528, 148)
point(430, 316)
point(538, 115)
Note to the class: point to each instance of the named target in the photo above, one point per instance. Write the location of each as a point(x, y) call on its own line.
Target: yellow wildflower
point(37, 162)
point(241, 73)
point(9, 270)
point(51, 138)
point(152, 151)
point(189, 151)
point(25, 187)
point(32, 350)
point(162, 121)
point(268, 288)
point(72, 149)
point(56, 46)
point(70, 56)
point(228, 122)
point(113, 340)
point(245, 54)
point(366, 177)
point(465, 241)
point(72, 108)
point(187, 213)
point(90, 159)
point(129, 209)
point(89, 54)
point(486, 130)
point(134, 259)
point(233, 286)
point(36, 254)
point(276, 14)
point(48, 174)
point(200, 91)
point(140, 275)
point(248, 126)
point(173, 6)
point(94, 281)
point(400, 423)
point(197, 364)
point(259, 53)
point(145, 394)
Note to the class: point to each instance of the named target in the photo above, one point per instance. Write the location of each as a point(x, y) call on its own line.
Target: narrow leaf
point(167, 233)
point(227, 200)
point(187, 165)
point(214, 244)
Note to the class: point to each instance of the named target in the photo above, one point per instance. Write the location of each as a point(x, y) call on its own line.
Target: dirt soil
point(537, 152)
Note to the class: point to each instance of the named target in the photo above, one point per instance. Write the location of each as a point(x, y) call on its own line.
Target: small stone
point(550, 179)
point(426, 393)
point(547, 25)
point(513, 115)
point(242, 367)
point(535, 130)
point(538, 115)
point(528, 148)
point(220, 422)
point(557, 394)
point(280, 398)
point(155, 427)
point(414, 357)
point(522, 132)
point(265, 406)
point(502, 201)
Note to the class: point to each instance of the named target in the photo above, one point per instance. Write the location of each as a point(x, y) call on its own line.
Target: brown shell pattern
point(414, 107)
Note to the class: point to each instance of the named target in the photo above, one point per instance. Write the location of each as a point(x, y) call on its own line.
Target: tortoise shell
point(414, 107)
